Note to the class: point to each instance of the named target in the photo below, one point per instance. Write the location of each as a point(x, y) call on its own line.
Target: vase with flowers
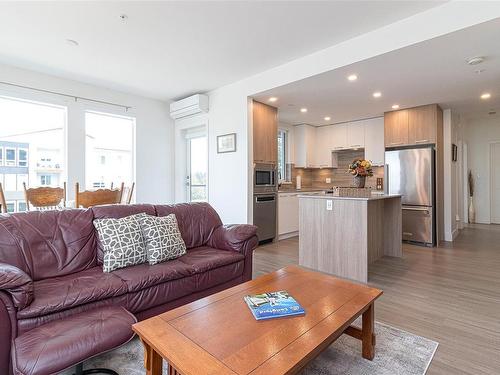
point(360, 169)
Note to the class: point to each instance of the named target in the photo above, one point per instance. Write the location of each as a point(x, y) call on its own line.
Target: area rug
point(396, 352)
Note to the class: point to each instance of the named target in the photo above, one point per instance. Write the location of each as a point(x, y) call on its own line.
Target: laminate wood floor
point(450, 294)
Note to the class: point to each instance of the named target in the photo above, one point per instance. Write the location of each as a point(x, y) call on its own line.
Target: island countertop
point(373, 197)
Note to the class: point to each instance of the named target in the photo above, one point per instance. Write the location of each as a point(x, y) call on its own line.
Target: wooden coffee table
point(219, 335)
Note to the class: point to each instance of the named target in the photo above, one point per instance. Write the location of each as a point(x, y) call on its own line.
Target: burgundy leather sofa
point(51, 266)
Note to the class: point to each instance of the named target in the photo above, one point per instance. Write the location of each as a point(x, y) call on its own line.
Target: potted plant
point(360, 169)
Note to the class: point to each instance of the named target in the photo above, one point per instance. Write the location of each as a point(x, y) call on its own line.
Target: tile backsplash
point(316, 178)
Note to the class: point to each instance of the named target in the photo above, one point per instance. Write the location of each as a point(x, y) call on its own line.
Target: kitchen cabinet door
point(339, 137)
point(356, 134)
point(265, 133)
point(305, 144)
point(374, 141)
point(323, 147)
point(422, 124)
point(288, 213)
point(396, 128)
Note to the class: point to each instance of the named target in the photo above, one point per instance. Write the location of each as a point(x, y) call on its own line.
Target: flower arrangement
point(361, 168)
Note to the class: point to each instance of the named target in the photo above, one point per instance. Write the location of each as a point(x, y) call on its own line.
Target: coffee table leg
point(367, 335)
point(152, 360)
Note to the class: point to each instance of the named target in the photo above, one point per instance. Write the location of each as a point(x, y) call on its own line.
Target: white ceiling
point(169, 50)
point(434, 71)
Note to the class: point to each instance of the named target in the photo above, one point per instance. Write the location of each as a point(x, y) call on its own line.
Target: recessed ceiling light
point(123, 17)
point(475, 60)
point(72, 42)
point(328, 118)
point(273, 99)
point(352, 77)
point(377, 94)
point(485, 96)
point(303, 110)
point(395, 106)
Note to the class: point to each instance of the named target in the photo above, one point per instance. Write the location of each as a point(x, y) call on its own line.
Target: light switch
point(328, 180)
point(329, 205)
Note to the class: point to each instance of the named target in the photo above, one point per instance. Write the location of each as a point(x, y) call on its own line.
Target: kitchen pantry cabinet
point(265, 133)
point(413, 126)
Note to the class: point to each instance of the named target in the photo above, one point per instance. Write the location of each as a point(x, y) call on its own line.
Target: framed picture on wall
point(226, 143)
point(454, 152)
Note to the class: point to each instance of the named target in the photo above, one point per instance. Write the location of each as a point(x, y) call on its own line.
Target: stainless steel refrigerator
point(410, 172)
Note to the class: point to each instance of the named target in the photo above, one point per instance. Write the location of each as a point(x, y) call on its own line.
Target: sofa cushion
point(197, 221)
point(117, 211)
point(47, 244)
point(65, 292)
point(56, 346)
point(144, 275)
point(162, 238)
point(206, 258)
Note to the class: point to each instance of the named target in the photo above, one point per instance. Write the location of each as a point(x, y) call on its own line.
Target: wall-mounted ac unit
point(189, 106)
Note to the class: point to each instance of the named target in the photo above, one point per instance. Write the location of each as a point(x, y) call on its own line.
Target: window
point(32, 144)
point(197, 169)
point(21, 206)
point(110, 149)
point(45, 180)
point(22, 157)
point(10, 157)
point(282, 159)
point(11, 207)
point(1, 156)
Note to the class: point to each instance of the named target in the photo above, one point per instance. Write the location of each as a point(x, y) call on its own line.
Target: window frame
point(285, 133)
point(8, 162)
point(27, 161)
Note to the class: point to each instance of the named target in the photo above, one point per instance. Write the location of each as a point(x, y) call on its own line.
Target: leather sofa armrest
point(234, 238)
point(16, 283)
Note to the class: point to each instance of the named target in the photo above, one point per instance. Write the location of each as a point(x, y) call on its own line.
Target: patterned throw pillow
point(163, 238)
point(122, 241)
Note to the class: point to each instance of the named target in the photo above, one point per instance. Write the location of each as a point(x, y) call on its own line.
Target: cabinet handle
point(355, 146)
point(396, 143)
point(422, 141)
point(338, 148)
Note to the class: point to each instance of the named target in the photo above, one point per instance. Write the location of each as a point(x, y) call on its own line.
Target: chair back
point(3, 203)
point(45, 198)
point(128, 191)
point(89, 198)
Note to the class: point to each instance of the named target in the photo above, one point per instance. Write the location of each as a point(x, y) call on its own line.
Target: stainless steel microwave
point(265, 176)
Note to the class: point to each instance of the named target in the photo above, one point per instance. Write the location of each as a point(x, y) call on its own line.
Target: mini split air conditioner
point(189, 106)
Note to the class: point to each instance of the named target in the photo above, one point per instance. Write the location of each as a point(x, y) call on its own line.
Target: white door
point(197, 168)
point(495, 182)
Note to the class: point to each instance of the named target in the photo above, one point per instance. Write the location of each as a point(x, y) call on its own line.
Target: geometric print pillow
point(122, 242)
point(163, 238)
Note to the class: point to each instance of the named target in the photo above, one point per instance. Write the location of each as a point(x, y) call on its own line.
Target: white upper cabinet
point(324, 147)
point(305, 144)
point(339, 136)
point(356, 134)
point(374, 141)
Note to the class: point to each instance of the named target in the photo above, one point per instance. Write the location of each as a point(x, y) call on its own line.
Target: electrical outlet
point(329, 205)
point(328, 180)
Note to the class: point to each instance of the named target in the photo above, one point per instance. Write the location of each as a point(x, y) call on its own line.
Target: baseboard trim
point(284, 236)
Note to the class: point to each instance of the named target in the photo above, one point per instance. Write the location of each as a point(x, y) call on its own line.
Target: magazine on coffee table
point(273, 305)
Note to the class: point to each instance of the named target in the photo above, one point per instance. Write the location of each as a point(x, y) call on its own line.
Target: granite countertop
point(372, 198)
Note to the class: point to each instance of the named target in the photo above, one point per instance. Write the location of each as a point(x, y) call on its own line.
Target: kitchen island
point(344, 235)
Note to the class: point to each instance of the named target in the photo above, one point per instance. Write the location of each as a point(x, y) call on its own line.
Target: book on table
point(273, 305)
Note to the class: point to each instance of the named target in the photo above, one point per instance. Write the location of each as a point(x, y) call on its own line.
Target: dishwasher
point(264, 215)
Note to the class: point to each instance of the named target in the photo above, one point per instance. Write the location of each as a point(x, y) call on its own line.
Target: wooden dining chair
point(3, 203)
point(89, 198)
point(128, 192)
point(45, 198)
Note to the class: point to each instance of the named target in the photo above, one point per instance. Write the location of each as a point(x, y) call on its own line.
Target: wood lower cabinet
point(265, 133)
point(396, 128)
point(422, 124)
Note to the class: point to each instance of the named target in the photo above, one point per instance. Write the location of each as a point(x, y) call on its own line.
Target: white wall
point(479, 133)
point(154, 128)
point(453, 191)
point(230, 180)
